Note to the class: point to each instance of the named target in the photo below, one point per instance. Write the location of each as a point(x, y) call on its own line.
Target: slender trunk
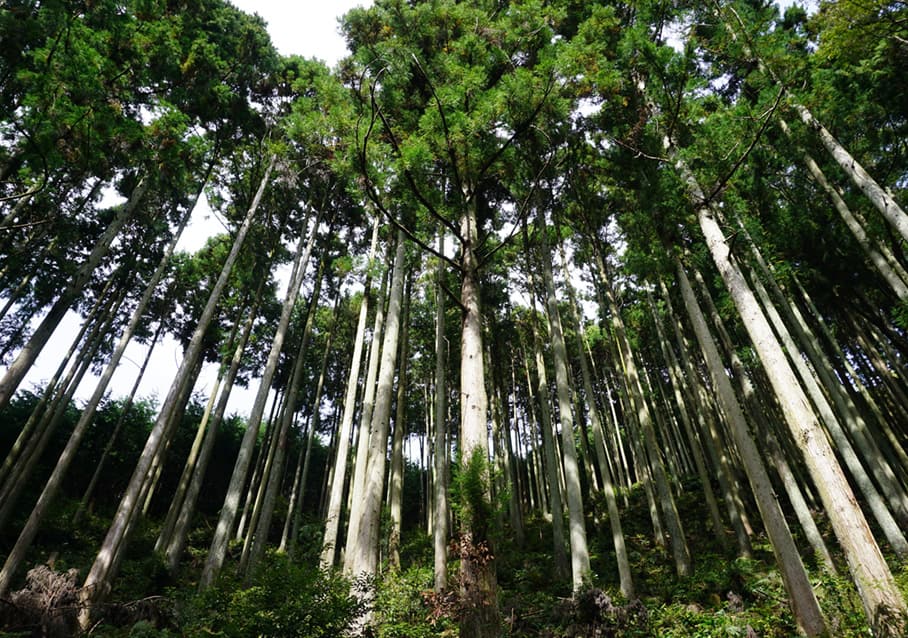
point(335, 501)
point(27, 355)
point(676, 377)
point(580, 558)
point(97, 582)
point(440, 460)
point(882, 259)
point(218, 549)
point(396, 478)
point(108, 447)
point(551, 459)
point(271, 480)
point(177, 542)
point(644, 419)
point(803, 601)
point(358, 480)
point(295, 507)
point(883, 603)
point(363, 554)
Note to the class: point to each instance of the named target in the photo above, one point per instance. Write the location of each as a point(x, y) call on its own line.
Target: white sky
point(305, 27)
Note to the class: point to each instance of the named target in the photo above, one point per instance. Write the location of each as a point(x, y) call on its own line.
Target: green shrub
point(284, 600)
point(401, 610)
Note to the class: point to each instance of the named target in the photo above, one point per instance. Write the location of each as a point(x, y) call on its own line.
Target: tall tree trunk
point(479, 617)
point(669, 508)
point(27, 355)
point(883, 603)
point(358, 479)
point(440, 447)
point(177, 542)
point(396, 478)
point(880, 198)
point(803, 601)
point(580, 558)
point(218, 549)
point(363, 554)
point(52, 486)
point(335, 501)
point(676, 377)
point(548, 443)
point(882, 258)
point(260, 526)
point(108, 447)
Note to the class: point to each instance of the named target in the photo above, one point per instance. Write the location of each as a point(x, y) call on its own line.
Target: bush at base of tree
point(284, 600)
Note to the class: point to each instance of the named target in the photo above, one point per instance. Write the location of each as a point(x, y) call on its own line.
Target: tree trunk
point(363, 554)
point(358, 480)
point(479, 597)
point(396, 478)
point(883, 603)
point(27, 355)
point(335, 501)
point(580, 558)
point(440, 447)
point(804, 604)
point(218, 549)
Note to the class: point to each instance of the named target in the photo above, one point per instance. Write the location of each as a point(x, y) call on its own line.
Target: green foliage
point(470, 493)
point(284, 600)
point(401, 610)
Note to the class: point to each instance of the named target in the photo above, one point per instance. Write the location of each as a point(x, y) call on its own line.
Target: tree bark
point(883, 603)
point(335, 501)
point(218, 549)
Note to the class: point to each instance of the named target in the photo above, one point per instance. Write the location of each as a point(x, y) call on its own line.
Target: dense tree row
point(556, 251)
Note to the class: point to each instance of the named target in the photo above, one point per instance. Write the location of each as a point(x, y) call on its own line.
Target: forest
point(558, 318)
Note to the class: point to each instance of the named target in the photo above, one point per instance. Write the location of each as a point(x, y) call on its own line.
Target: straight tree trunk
point(52, 486)
point(580, 558)
point(358, 480)
point(177, 542)
point(479, 587)
point(676, 378)
point(680, 550)
point(364, 552)
point(396, 478)
point(271, 479)
point(804, 604)
point(19, 367)
point(335, 501)
point(218, 549)
point(883, 603)
point(440, 459)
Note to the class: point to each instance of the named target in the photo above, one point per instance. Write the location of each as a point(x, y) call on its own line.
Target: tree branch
point(767, 117)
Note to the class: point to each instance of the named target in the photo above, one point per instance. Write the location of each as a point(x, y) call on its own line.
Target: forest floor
point(727, 596)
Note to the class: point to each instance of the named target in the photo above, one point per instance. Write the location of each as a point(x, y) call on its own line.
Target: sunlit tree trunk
point(218, 548)
point(669, 508)
point(804, 603)
point(335, 501)
point(358, 479)
point(97, 582)
point(883, 603)
point(676, 377)
point(363, 554)
point(177, 541)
